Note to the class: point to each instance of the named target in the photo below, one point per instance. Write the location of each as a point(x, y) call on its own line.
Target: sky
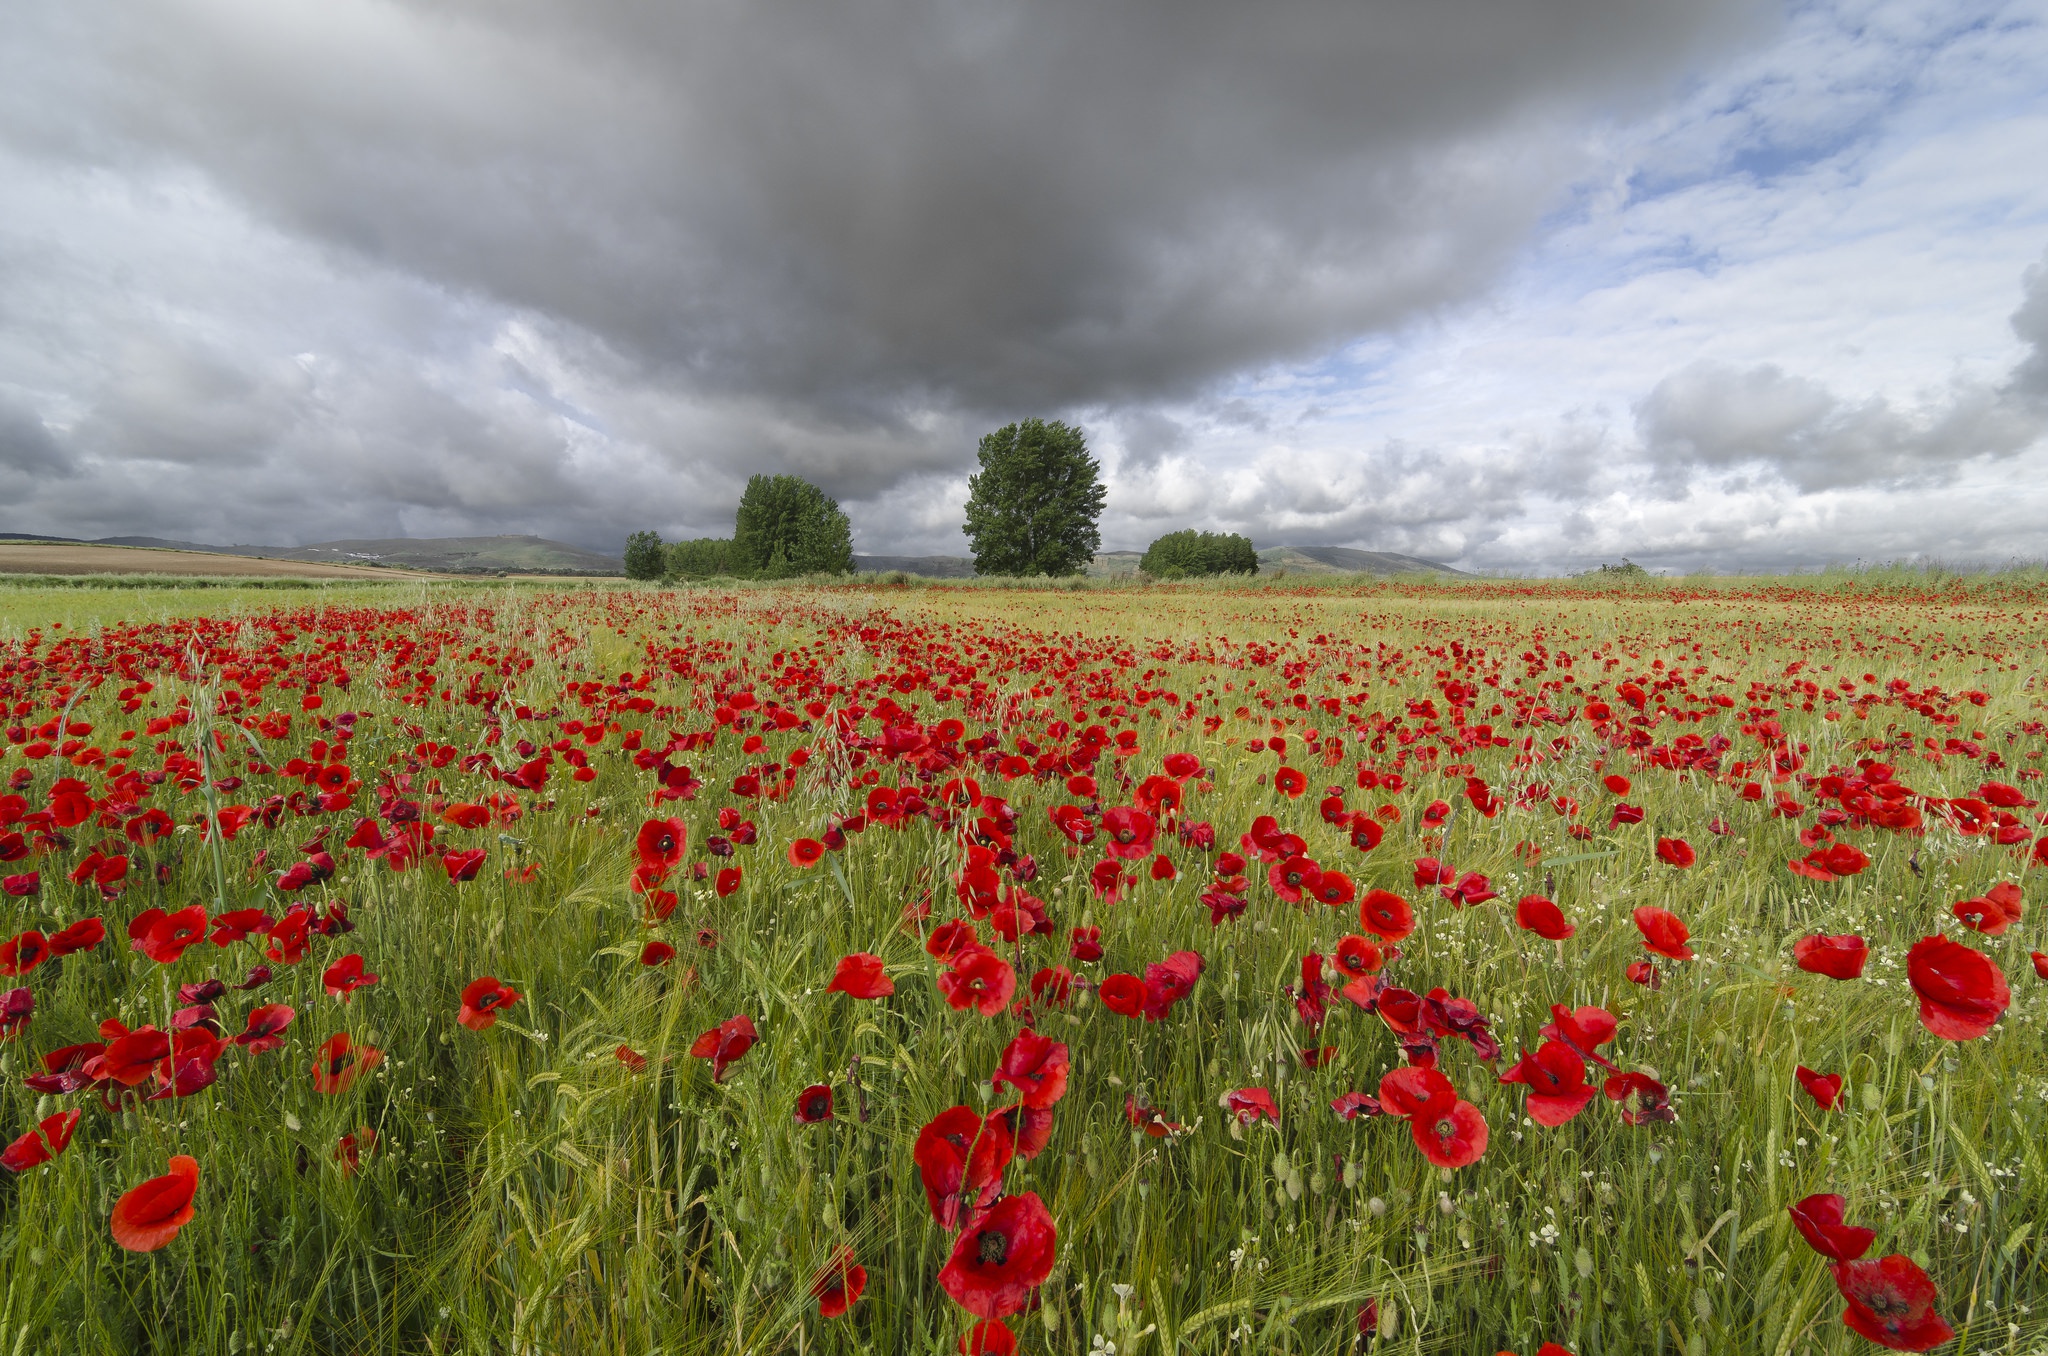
point(1518, 285)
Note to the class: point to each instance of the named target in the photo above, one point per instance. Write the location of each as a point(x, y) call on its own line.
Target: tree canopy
point(786, 526)
point(1186, 553)
point(1033, 507)
point(700, 558)
point(644, 556)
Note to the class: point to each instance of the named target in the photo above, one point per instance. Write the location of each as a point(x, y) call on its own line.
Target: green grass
point(531, 1194)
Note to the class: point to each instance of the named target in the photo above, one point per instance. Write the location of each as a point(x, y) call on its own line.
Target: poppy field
point(1507, 966)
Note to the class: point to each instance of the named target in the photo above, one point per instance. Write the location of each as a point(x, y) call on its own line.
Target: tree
point(1034, 506)
point(786, 526)
point(644, 558)
point(700, 558)
point(1188, 552)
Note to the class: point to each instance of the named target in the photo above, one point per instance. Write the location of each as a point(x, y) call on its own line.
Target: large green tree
point(644, 558)
point(1033, 507)
point(786, 526)
point(1181, 554)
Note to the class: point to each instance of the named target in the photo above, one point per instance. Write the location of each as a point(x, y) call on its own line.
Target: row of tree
point(1032, 509)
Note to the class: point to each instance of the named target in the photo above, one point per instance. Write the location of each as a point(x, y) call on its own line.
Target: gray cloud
point(834, 239)
point(1711, 417)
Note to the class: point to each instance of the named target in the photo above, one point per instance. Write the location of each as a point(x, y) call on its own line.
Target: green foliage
point(1033, 508)
point(788, 526)
point(1178, 555)
point(644, 558)
point(701, 558)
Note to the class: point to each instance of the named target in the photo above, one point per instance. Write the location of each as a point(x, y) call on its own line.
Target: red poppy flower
point(136, 1055)
point(1840, 957)
point(1542, 917)
point(1891, 1302)
point(860, 976)
point(1251, 1104)
point(1001, 1258)
point(23, 953)
point(345, 976)
point(1583, 1029)
point(657, 953)
point(1122, 994)
point(350, 1148)
point(1616, 783)
point(289, 937)
point(168, 935)
point(1385, 914)
point(83, 935)
point(1429, 871)
point(481, 1001)
point(1073, 822)
point(23, 885)
point(1130, 832)
point(839, 1283)
point(950, 938)
point(980, 979)
point(1556, 1079)
point(464, 865)
point(727, 882)
point(1085, 944)
point(1676, 852)
point(1290, 783)
point(805, 853)
point(1334, 888)
point(1352, 1105)
point(1169, 981)
point(631, 1058)
point(1358, 958)
point(1819, 1221)
point(1366, 832)
point(341, 1061)
point(1036, 1066)
point(1961, 992)
point(1643, 1098)
point(266, 1025)
point(990, 1337)
point(50, 1138)
point(1416, 1091)
point(1645, 974)
point(149, 1216)
point(960, 1159)
point(724, 1043)
point(2040, 960)
point(1663, 932)
point(1470, 888)
point(236, 925)
point(1993, 912)
point(1162, 867)
point(814, 1104)
point(661, 842)
point(17, 1006)
point(1832, 862)
point(1825, 1089)
point(1451, 1138)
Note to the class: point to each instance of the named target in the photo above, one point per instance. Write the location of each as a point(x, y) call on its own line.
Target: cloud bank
point(288, 272)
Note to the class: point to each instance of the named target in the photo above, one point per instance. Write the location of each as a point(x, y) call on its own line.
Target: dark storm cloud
point(836, 239)
point(864, 203)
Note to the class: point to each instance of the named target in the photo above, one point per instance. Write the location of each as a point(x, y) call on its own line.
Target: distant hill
point(446, 555)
